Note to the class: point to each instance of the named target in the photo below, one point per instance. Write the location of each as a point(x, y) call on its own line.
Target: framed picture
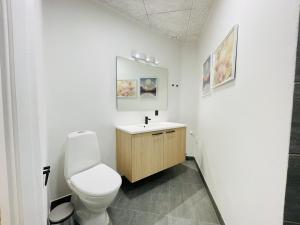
point(126, 88)
point(224, 59)
point(206, 71)
point(148, 87)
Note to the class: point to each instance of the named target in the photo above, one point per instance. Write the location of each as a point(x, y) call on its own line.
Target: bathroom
point(59, 72)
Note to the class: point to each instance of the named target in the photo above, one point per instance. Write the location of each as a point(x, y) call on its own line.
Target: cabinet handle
point(170, 131)
point(157, 133)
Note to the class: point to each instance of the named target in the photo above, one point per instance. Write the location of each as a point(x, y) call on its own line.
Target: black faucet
point(147, 119)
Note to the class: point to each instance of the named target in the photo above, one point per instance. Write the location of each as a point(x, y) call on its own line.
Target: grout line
point(188, 24)
point(294, 154)
point(291, 222)
point(135, 210)
point(131, 219)
point(146, 12)
point(171, 11)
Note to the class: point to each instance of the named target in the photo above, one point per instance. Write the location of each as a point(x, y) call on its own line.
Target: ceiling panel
point(174, 23)
point(143, 19)
point(160, 6)
point(196, 21)
point(179, 19)
point(134, 8)
point(202, 4)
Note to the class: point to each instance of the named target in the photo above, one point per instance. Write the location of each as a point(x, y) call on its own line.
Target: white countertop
point(155, 126)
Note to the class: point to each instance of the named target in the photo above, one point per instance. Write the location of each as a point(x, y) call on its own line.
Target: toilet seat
point(97, 181)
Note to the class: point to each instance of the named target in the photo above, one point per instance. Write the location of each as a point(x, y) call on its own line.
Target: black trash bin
point(62, 214)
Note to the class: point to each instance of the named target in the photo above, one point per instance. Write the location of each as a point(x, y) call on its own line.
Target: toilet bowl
point(94, 184)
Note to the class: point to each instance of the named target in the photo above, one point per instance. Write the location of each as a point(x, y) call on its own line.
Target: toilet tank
point(81, 152)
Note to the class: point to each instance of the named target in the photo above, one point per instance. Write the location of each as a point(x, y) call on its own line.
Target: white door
point(4, 194)
point(23, 153)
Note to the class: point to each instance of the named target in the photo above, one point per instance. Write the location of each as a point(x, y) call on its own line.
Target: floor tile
point(180, 221)
point(186, 221)
point(292, 196)
point(190, 164)
point(120, 216)
point(295, 131)
point(185, 209)
point(172, 197)
point(145, 218)
point(290, 223)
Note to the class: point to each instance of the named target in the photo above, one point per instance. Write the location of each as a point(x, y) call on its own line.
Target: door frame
point(19, 69)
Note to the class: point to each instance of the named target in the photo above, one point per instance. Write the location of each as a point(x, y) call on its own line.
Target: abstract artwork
point(206, 68)
point(148, 87)
point(224, 59)
point(126, 88)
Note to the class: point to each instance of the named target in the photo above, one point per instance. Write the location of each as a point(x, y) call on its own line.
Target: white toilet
point(95, 184)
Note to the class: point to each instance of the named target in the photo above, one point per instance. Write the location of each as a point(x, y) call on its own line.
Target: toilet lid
point(97, 181)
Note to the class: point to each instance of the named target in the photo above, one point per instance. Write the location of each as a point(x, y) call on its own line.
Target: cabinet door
point(147, 154)
point(174, 147)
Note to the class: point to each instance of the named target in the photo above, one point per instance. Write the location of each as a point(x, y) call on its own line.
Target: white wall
point(244, 126)
point(189, 94)
point(81, 42)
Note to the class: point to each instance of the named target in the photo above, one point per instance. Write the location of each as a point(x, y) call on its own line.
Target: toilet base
point(83, 217)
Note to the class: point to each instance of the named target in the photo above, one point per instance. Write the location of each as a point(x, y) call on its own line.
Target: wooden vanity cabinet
point(144, 154)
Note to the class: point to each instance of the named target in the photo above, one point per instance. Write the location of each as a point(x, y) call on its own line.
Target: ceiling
point(179, 19)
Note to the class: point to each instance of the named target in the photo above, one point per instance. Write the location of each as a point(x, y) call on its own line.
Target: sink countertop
point(143, 128)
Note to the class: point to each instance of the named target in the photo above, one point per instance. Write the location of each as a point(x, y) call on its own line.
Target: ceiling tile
point(159, 6)
point(172, 23)
point(197, 20)
point(192, 37)
point(179, 19)
point(134, 8)
point(143, 19)
point(203, 4)
point(199, 15)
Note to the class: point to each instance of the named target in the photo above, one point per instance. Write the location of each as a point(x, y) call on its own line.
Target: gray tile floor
point(176, 196)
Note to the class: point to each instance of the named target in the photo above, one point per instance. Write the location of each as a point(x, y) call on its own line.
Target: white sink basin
point(155, 126)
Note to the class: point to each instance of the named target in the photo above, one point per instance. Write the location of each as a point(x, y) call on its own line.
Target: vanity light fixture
point(142, 57)
point(138, 56)
point(135, 55)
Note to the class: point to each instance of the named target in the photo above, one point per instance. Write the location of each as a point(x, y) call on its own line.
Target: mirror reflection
point(141, 86)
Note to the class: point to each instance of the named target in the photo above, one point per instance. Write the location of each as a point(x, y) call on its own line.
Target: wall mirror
point(141, 86)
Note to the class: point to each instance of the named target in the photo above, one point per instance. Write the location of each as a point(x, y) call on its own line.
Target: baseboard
point(187, 157)
point(209, 193)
